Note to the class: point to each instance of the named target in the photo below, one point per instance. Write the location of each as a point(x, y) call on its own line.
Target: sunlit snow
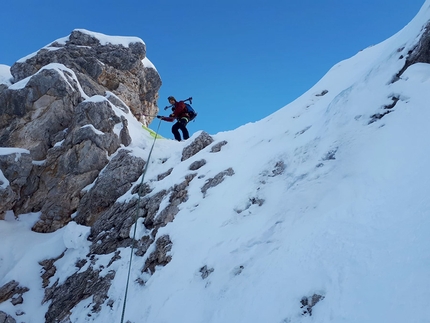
point(342, 211)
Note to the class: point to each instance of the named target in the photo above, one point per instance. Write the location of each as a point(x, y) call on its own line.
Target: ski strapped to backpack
point(191, 112)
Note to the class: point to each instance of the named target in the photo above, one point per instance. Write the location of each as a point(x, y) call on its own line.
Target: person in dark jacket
point(181, 116)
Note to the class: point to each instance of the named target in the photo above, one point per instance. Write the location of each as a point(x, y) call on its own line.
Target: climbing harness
point(136, 217)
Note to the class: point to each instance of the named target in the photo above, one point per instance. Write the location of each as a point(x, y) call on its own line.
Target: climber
point(182, 117)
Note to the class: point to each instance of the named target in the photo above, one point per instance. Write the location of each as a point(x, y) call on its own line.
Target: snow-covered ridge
point(324, 216)
point(147, 63)
point(103, 39)
point(60, 68)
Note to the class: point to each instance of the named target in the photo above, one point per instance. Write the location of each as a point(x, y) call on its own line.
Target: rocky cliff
point(64, 156)
point(61, 108)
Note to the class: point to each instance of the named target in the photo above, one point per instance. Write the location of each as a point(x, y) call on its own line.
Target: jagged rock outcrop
point(112, 228)
point(117, 178)
point(421, 52)
point(111, 231)
point(5, 318)
point(78, 287)
point(217, 147)
point(64, 137)
point(178, 195)
point(61, 108)
point(219, 178)
point(16, 168)
point(34, 116)
point(12, 290)
point(100, 67)
point(202, 141)
point(48, 269)
point(160, 257)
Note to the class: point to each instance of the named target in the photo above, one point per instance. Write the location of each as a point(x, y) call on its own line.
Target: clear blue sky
point(239, 59)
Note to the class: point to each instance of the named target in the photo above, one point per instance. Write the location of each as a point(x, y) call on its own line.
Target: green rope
point(135, 222)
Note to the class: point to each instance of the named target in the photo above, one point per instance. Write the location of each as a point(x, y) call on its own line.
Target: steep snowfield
point(322, 201)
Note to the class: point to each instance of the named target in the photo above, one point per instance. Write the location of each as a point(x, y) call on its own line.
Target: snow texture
point(325, 200)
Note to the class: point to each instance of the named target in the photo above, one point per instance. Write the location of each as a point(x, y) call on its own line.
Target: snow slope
point(324, 200)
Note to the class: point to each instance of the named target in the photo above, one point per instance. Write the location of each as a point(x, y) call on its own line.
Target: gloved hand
point(159, 117)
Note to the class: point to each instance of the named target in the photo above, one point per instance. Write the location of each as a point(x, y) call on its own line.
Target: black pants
point(180, 124)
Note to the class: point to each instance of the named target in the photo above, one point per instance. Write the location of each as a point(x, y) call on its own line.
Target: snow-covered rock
point(319, 212)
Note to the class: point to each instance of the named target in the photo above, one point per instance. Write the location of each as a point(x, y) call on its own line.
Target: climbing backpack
point(191, 112)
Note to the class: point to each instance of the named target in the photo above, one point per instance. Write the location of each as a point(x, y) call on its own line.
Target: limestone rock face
point(62, 111)
point(16, 168)
point(34, 116)
point(100, 68)
point(117, 179)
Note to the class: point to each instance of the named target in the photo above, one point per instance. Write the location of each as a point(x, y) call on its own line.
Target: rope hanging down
point(136, 217)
